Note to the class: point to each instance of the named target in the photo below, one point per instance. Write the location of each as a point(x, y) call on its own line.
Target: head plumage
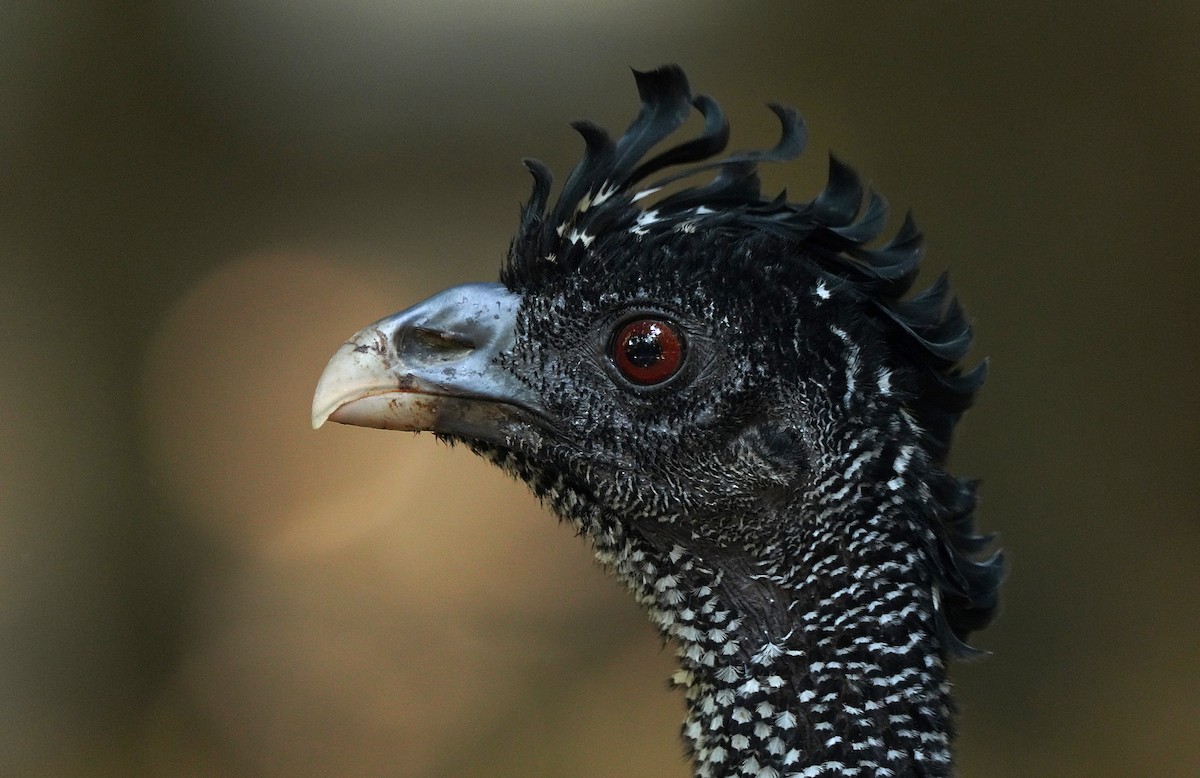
point(605, 202)
point(612, 201)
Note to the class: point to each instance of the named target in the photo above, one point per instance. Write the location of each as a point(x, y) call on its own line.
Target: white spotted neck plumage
point(815, 653)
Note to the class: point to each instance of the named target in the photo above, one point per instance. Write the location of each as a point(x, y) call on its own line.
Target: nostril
point(426, 344)
point(444, 339)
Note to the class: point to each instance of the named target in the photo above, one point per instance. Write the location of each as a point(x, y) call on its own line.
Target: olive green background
point(200, 201)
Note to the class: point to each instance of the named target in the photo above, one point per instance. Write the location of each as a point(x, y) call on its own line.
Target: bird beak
point(431, 367)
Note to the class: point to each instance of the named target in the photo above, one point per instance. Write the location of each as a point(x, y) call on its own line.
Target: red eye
point(647, 351)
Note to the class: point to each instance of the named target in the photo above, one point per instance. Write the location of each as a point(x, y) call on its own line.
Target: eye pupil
point(647, 351)
point(643, 348)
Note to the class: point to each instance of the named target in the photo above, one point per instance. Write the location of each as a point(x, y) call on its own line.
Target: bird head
point(697, 365)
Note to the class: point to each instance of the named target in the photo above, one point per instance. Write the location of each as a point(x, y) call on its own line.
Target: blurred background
point(200, 201)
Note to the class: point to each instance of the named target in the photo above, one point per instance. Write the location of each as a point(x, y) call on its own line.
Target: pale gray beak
point(432, 367)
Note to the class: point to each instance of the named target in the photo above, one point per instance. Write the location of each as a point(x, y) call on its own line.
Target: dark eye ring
point(647, 351)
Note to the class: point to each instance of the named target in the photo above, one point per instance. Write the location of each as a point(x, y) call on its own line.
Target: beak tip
point(321, 409)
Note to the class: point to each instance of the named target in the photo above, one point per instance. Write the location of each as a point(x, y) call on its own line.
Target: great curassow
point(729, 397)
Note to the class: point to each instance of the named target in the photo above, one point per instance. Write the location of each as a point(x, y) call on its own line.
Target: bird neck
point(818, 657)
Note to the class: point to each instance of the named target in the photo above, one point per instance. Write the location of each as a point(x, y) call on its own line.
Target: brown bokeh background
point(201, 200)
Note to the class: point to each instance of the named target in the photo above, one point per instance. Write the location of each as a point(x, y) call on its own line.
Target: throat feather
point(815, 655)
point(827, 656)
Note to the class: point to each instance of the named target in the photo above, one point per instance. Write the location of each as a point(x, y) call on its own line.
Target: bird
point(736, 401)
